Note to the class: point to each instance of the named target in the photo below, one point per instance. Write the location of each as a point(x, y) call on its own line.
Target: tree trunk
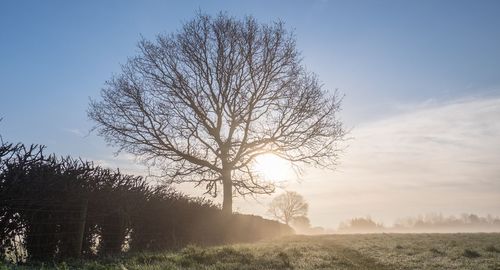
point(227, 183)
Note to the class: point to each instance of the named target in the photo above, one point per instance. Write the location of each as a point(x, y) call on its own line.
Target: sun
point(270, 167)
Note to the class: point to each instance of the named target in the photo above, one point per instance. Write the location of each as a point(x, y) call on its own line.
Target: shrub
point(49, 205)
point(492, 248)
point(469, 253)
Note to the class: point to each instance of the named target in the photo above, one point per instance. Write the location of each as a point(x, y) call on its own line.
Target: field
point(369, 251)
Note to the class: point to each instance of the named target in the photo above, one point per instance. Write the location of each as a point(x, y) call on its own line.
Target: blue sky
point(392, 59)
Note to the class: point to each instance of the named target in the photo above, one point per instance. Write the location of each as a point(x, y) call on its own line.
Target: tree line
point(431, 222)
point(58, 207)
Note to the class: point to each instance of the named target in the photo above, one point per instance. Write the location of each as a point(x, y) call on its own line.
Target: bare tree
point(202, 103)
point(288, 206)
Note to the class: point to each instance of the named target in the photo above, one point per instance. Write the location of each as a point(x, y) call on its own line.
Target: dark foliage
point(469, 253)
point(54, 208)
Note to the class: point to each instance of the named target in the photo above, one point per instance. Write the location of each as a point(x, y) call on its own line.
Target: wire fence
point(78, 231)
point(71, 237)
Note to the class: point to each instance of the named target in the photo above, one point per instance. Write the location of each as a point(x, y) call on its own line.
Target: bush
point(469, 253)
point(492, 248)
point(50, 205)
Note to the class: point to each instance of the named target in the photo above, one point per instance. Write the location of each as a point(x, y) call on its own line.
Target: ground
point(369, 251)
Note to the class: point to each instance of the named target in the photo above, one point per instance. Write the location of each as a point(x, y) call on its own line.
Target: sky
point(421, 81)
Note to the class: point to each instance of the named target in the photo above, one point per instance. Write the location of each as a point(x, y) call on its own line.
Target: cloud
point(127, 163)
point(432, 157)
point(74, 131)
point(454, 142)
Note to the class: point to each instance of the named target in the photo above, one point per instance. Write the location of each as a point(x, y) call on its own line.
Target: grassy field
point(373, 251)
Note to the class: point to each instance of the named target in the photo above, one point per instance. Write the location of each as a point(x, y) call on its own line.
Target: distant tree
point(361, 225)
point(301, 224)
point(204, 102)
point(288, 206)
point(434, 222)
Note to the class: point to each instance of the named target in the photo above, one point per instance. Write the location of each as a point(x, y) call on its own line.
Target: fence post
point(80, 230)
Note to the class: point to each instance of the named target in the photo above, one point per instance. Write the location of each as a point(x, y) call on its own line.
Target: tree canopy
point(288, 207)
point(202, 103)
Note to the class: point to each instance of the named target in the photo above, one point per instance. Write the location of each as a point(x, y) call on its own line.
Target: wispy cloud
point(454, 142)
point(127, 163)
point(75, 131)
point(433, 157)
